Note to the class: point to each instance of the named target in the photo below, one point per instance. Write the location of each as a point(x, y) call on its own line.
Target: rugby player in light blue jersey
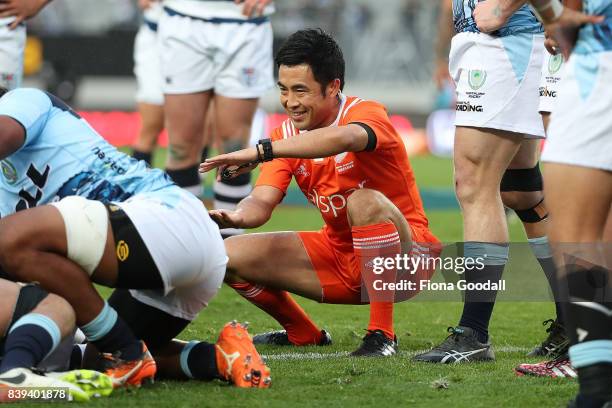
point(578, 180)
point(498, 131)
point(111, 220)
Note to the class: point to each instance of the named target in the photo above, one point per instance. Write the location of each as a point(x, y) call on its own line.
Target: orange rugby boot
point(237, 359)
point(133, 372)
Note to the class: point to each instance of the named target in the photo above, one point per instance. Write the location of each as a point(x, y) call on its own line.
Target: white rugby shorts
point(552, 68)
point(232, 58)
point(580, 130)
point(185, 245)
point(497, 81)
point(147, 67)
point(12, 46)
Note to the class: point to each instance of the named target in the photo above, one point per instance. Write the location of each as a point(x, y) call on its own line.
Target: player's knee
point(60, 311)
point(467, 189)
point(236, 262)
point(180, 151)
point(475, 179)
point(366, 206)
point(517, 200)
point(521, 190)
point(468, 183)
point(525, 179)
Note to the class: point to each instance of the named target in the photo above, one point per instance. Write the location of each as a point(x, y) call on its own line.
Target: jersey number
point(39, 179)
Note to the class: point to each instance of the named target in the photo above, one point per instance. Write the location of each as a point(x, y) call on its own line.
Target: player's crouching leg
point(379, 231)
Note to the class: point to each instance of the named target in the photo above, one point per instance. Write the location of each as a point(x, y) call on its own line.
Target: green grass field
point(326, 377)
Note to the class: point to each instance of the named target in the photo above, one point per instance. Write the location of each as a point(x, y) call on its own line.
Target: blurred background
point(82, 50)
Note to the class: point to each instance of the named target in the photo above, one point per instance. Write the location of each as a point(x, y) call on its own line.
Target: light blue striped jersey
point(62, 155)
point(522, 21)
point(596, 37)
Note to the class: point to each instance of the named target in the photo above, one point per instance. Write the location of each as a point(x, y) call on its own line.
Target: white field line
point(342, 354)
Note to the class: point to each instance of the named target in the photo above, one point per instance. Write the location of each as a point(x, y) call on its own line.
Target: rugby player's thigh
point(274, 259)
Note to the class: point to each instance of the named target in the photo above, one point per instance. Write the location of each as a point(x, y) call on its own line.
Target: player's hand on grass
point(490, 15)
point(253, 8)
point(20, 9)
point(232, 164)
point(227, 218)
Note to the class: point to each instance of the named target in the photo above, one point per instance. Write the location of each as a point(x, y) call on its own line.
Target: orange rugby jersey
point(327, 182)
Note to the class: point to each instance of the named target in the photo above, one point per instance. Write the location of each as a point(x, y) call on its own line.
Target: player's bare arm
point(252, 212)
point(21, 9)
point(445, 33)
point(12, 136)
point(314, 144)
point(491, 15)
point(562, 23)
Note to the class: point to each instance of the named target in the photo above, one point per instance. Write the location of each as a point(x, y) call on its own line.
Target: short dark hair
point(3, 90)
point(317, 49)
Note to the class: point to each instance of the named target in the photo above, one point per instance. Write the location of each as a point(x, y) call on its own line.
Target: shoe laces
point(113, 360)
point(455, 332)
point(374, 339)
point(556, 340)
point(559, 359)
point(453, 337)
point(553, 328)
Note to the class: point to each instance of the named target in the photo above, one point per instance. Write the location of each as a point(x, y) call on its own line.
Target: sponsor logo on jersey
point(340, 157)
point(342, 167)
point(301, 171)
point(123, 250)
point(8, 171)
point(476, 78)
point(475, 95)
point(468, 107)
point(547, 93)
point(334, 203)
point(554, 63)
